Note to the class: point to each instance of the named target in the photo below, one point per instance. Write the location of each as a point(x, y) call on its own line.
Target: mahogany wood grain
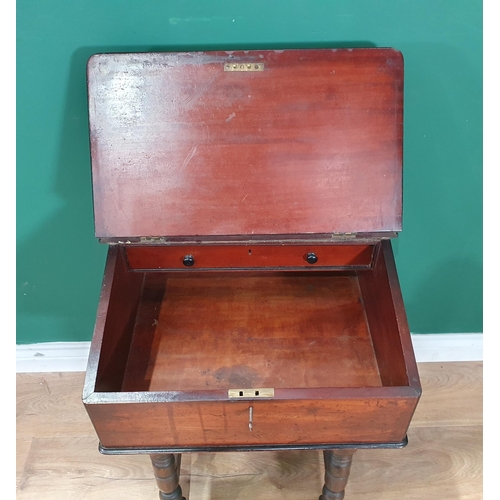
point(120, 295)
point(287, 331)
point(310, 145)
point(249, 256)
point(377, 418)
point(386, 315)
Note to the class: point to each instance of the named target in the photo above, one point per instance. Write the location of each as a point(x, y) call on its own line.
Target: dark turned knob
point(188, 260)
point(312, 258)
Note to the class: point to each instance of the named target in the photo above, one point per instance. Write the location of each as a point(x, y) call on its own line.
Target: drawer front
point(249, 257)
point(211, 424)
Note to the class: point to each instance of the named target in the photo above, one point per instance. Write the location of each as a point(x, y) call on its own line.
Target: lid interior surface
point(310, 143)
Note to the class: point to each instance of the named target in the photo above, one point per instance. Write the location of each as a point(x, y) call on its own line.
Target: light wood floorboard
point(57, 455)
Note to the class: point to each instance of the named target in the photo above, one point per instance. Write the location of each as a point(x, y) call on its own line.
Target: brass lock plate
point(250, 393)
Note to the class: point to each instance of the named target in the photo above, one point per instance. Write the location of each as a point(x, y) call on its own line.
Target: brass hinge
point(343, 236)
point(152, 239)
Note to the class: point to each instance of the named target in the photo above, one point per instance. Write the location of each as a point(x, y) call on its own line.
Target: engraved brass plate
point(251, 393)
point(244, 67)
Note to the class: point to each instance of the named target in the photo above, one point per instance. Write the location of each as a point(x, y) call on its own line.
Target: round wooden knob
point(188, 260)
point(312, 258)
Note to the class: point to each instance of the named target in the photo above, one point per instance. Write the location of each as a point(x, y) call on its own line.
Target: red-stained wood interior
point(310, 145)
point(277, 329)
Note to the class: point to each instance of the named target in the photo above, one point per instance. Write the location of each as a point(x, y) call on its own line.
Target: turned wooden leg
point(337, 468)
point(167, 468)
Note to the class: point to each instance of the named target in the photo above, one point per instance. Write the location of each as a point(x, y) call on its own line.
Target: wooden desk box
point(250, 298)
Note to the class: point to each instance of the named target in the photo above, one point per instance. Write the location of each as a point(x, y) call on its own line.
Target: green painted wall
point(439, 254)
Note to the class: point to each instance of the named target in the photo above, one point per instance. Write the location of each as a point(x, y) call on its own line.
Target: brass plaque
point(244, 67)
point(251, 393)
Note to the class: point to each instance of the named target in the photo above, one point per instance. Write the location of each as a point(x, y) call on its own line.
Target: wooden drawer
point(168, 348)
point(248, 256)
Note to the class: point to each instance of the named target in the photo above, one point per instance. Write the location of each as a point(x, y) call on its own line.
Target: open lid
point(263, 142)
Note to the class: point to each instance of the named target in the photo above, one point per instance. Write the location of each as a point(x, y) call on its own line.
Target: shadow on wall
point(63, 256)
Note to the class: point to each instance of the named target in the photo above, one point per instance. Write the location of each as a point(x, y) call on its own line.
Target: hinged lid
point(293, 142)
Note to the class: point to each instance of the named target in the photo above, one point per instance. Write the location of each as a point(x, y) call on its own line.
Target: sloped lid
point(293, 142)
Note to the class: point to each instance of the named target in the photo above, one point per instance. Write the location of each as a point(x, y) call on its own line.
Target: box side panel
point(402, 321)
point(117, 309)
point(367, 420)
point(310, 144)
point(387, 321)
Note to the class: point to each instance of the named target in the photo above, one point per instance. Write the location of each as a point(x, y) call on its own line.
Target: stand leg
point(337, 468)
point(167, 468)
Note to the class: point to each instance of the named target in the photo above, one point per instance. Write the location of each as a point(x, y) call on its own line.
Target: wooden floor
point(57, 455)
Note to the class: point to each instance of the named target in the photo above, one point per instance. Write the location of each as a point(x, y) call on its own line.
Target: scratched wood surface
point(311, 144)
point(57, 457)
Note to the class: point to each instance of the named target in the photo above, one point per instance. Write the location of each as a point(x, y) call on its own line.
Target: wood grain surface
point(57, 456)
point(312, 144)
point(256, 330)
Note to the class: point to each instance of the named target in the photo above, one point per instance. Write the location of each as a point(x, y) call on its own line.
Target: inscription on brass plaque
point(244, 67)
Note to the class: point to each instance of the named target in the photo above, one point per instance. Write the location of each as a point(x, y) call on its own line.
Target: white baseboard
point(52, 357)
point(448, 347)
point(72, 356)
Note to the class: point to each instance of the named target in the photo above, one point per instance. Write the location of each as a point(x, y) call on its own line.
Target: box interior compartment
point(221, 330)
